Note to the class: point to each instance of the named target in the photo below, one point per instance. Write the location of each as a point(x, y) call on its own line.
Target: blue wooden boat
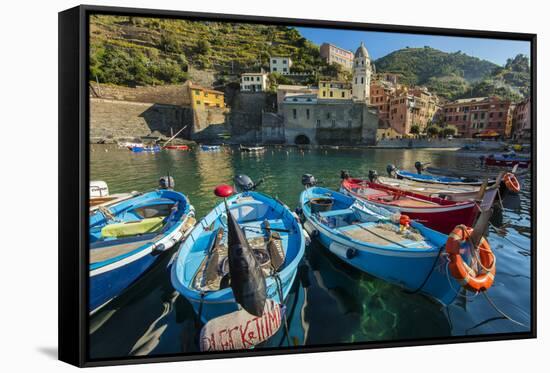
point(210, 148)
point(126, 239)
point(366, 237)
point(145, 149)
point(438, 179)
point(200, 269)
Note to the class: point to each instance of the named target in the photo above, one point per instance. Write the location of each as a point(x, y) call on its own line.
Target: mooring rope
point(280, 292)
point(491, 302)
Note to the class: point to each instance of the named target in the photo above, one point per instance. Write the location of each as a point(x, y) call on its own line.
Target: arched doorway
point(301, 140)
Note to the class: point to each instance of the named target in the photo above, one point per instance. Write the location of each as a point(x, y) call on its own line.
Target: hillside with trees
point(144, 51)
point(457, 75)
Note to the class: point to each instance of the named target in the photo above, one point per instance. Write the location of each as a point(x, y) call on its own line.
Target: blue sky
point(380, 44)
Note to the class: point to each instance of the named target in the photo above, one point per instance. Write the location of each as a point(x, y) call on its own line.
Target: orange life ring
point(511, 182)
point(461, 271)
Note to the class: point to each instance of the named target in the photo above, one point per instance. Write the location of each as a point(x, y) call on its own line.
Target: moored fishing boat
point(210, 148)
point(439, 179)
point(393, 248)
point(434, 212)
point(126, 239)
point(251, 149)
point(449, 192)
point(250, 227)
point(508, 160)
point(176, 147)
point(145, 149)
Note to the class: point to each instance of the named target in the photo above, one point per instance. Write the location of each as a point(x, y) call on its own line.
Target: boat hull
point(451, 193)
point(507, 162)
point(214, 303)
point(447, 180)
point(112, 275)
point(423, 272)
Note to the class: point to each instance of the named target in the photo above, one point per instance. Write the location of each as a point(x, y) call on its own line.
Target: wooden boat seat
point(408, 202)
point(383, 235)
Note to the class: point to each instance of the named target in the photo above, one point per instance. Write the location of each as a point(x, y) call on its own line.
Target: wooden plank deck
point(106, 253)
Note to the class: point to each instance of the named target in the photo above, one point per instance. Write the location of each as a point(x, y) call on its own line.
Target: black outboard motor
point(390, 169)
point(166, 182)
point(373, 175)
point(308, 180)
point(344, 174)
point(419, 167)
point(244, 183)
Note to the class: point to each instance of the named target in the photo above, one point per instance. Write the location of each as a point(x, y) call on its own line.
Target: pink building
point(521, 122)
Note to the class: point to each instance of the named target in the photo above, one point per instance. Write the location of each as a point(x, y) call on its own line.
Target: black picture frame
point(74, 179)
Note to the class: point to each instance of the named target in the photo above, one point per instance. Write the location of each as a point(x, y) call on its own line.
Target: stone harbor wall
point(112, 120)
point(175, 94)
point(245, 118)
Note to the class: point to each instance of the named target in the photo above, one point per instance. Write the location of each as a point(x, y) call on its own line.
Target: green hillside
point(456, 75)
point(133, 50)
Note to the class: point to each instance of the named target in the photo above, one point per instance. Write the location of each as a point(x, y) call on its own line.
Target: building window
point(324, 94)
point(284, 62)
point(284, 69)
point(294, 113)
point(307, 113)
point(333, 123)
point(362, 80)
point(198, 102)
point(475, 116)
point(490, 115)
point(343, 94)
point(331, 94)
point(274, 61)
point(274, 69)
point(197, 93)
point(318, 123)
point(464, 117)
point(328, 115)
point(205, 94)
point(349, 123)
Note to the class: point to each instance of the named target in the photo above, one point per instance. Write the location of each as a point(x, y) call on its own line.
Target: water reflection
point(330, 302)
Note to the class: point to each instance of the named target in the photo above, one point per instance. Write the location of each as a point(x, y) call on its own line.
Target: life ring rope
point(511, 182)
point(482, 254)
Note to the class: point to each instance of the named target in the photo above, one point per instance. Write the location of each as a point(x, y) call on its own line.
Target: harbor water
point(330, 302)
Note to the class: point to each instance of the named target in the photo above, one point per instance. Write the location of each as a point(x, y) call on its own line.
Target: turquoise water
point(330, 301)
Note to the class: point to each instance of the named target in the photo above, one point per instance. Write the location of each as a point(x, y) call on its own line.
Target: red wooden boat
point(439, 214)
point(176, 147)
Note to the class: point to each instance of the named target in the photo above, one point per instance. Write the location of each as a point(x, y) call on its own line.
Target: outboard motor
point(390, 169)
point(244, 183)
point(419, 167)
point(166, 182)
point(344, 174)
point(373, 175)
point(308, 180)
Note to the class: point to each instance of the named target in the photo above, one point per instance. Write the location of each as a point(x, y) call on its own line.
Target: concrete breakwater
point(439, 143)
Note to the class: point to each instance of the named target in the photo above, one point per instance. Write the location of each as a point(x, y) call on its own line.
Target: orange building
point(205, 97)
point(414, 106)
point(480, 117)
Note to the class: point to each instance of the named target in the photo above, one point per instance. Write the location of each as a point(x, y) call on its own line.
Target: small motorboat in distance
point(145, 149)
point(126, 239)
point(238, 265)
point(397, 250)
point(251, 149)
point(436, 213)
point(176, 147)
point(508, 160)
point(210, 148)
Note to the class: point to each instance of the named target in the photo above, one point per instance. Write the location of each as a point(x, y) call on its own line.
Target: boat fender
point(351, 253)
point(511, 182)
point(157, 249)
point(466, 276)
point(314, 233)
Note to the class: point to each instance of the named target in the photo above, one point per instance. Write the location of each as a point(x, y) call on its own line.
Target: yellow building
point(334, 90)
point(204, 97)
